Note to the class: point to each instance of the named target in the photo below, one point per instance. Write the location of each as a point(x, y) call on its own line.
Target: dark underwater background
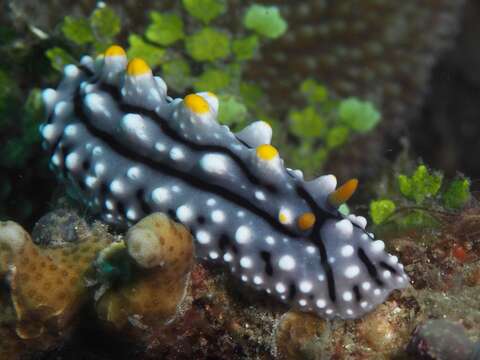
point(384, 91)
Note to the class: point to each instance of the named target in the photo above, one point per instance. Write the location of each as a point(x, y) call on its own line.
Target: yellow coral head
point(343, 193)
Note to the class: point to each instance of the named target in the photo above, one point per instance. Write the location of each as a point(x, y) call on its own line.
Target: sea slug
point(130, 150)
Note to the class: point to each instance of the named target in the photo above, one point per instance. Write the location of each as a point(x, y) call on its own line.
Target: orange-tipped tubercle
point(343, 193)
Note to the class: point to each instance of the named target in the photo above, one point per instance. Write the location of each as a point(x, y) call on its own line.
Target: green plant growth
point(325, 124)
point(194, 53)
point(419, 199)
point(191, 50)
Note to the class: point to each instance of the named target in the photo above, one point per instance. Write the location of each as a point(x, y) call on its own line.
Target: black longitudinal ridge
point(372, 270)
point(356, 292)
point(384, 265)
point(171, 171)
point(127, 108)
point(321, 216)
point(223, 242)
point(292, 291)
point(267, 258)
point(143, 203)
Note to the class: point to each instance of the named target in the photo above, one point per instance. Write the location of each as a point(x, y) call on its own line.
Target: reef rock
point(161, 255)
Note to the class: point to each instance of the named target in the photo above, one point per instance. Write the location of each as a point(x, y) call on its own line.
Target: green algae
point(420, 199)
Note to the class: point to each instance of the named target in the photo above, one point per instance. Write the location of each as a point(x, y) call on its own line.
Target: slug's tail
point(362, 274)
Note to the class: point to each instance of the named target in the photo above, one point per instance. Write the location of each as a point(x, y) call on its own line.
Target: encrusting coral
point(162, 255)
point(46, 285)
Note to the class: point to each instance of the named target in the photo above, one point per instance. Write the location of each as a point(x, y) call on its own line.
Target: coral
point(299, 336)
point(46, 284)
point(442, 340)
point(163, 254)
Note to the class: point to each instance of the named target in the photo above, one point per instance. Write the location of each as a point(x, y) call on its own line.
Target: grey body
point(128, 150)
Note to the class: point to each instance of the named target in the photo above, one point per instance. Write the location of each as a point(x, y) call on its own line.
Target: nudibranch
point(130, 150)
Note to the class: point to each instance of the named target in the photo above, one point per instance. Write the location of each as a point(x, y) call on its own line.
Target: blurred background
point(349, 87)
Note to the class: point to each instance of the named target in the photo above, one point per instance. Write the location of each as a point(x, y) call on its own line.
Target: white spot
point(175, 189)
point(71, 130)
point(218, 216)
point(97, 150)
point(331, 260)
point(70, 70)
point(93, 101)
point(184, 213)
point(176, 154)
point(347, 250)
point(90, 181)
point(260, 195)
point(387, 274)
point(213, 255)
point(240, 214)
point(347, 296)
point(363, 304)
point(362, 222)
point(280, 288)
point(393, 259)
point(257, 280)
point(244, 278)
point(352, 271)
point(48, 131)
point(321, 303)
point(344, 228)
point(366, 285)
point(133, 173)
point(160, 147)
point(214, 163)
point(135, 124)
point(131, 214)
point(377, 292)
point(99, 169)
point(116, 186)
point(378, 246)
point(109, 204)
point(305, 286)
point(243, 234)
point(311, 249)
point(211, 202)
point(72, 161)
point(270, 240)
point(321, 277)
point(302, 302)
point(160, 195)
point(61, 108)
point(203, 237)
point(349, 312)
point(246, 262)
point(56, 159)
point(48, 96)
point(286, 263)
point(227, 257)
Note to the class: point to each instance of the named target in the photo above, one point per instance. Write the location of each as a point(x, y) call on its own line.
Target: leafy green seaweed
point(417, 199)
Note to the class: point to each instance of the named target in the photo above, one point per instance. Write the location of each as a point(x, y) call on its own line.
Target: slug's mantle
point(128, 150)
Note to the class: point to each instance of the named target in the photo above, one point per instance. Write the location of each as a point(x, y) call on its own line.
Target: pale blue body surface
point(129, 150)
